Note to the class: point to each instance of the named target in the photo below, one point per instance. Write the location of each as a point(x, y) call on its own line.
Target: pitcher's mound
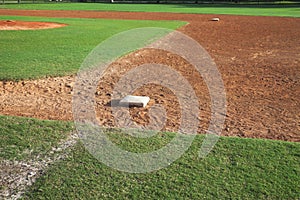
point(25, 25)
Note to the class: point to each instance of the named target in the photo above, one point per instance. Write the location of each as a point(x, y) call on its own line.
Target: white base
point(215, 19)
point(138, 101)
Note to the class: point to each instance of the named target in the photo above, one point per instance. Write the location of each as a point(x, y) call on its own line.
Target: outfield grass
point(235, 169)
point(256, 10)
point(34, 54)
point(22, 138)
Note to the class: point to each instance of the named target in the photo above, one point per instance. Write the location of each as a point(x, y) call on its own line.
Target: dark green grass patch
point(21, 138)
point(57, 52)
point(287, 10)
point(235, 169)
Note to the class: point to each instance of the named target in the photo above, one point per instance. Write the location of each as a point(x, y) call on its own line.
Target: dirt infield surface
point(258, 58)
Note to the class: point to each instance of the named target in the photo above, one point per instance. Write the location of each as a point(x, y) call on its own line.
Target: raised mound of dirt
point(26, 25)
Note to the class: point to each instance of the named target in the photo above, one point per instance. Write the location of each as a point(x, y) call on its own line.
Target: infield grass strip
point(236, 168)
point(22, 138)
point(31, 54)
point(287, 10)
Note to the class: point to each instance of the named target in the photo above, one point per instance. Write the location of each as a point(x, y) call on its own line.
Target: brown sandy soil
point(25, 25)
point(258, 58)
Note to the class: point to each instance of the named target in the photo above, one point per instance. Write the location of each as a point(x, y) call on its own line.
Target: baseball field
point(256, 50)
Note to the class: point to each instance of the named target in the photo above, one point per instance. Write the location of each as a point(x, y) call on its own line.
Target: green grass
point(34, 54)
point(22, 138)
point(235, 169)
point(257, 10)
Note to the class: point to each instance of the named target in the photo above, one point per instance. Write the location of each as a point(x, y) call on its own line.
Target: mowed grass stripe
point(35, 54)
point(287, 10)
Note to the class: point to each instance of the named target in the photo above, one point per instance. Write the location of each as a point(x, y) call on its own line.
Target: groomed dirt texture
point(258, 58)
point(25, 25)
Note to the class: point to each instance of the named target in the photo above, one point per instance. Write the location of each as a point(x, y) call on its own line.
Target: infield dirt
point(258, 58)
